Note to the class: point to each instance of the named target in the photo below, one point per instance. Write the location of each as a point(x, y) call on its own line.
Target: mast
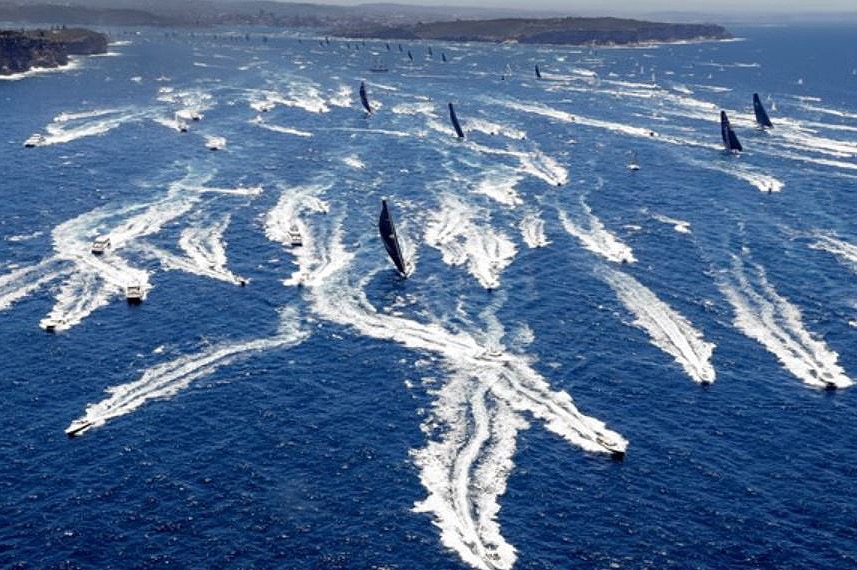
point(454, 118)
point(730, 139)
point(364, 99)
point(391, 240)
point(761, 115)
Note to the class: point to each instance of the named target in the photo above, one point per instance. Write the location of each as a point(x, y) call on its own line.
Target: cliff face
point(574, 31)
point(22, 51)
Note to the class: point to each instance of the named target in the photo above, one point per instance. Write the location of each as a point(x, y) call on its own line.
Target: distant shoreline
point(23, 51)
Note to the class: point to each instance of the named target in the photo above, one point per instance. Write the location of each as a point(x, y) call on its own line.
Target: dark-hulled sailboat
point(761, 114)
point(730, 139)
point(391, 240)
point(454, 118)
point(538, 72)
point(364, 99)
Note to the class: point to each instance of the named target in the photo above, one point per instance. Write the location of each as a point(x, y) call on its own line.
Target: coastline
point(74, 62)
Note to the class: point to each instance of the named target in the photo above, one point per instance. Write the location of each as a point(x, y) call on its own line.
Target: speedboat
point(134, 294)
point(100, 245)
point(616, 451)
point(195, 115)
point(36, 139)
point(379, 67)
point(51, 324)
point(633, 164)
point(295, 238)
point(215, 143)
point(77, 427)
point(181, 126)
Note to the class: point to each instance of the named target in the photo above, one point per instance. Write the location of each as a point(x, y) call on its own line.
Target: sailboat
point(761, 115)
point(454, 118)
point(364, 99)
point(391, 240)
point(443, 56)
point(730, 139)
point(410, 55)
point(538, 73)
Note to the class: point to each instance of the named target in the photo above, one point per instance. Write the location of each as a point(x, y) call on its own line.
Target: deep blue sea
point(332, 414)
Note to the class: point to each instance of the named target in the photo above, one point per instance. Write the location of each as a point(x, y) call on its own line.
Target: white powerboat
point(134, 294)
point(100, 245)
point(51, 324)
point(215, 143)
point(295, 238)
point(616, 451)
point(36, 139)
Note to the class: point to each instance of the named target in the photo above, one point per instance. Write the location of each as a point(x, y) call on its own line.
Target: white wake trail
point(461, 232)
point(667, 329)
point(533, 230)
point(592, 234)
point(765, 316)
point(844, 251)
point(169, 378)
point(23, 281)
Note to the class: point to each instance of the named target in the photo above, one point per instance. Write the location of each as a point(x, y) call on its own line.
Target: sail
point(538, 73)
point(761, 115)
point(443, 56)
point(391, 241)
point(364, 99)
point(454, 118)
point(730, 140)
point(410, 55)
point(430, 52)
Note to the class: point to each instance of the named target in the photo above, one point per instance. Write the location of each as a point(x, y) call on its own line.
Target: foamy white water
point(533, 230)
point(769, 318)
point(594, 236)
point(165, 380)
point(667, 329)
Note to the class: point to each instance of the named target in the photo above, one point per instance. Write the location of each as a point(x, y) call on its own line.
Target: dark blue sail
point(730, 139)
point(410, 56)
point(391, 240)
point(430, 52)
point(443, 56)
point(400, 47)
point(454, 118)
point(761, 115)
point(364, 99)
point(388, 46)
point(538, 73)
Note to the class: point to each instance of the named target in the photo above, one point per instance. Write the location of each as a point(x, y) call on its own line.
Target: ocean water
point(330, 414)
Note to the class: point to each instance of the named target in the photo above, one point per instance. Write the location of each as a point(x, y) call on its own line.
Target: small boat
point(35, 140)
point(215, 143)
point(100, 245)
point(387, 229)
point(181, 126)
point(410, 55)
point(730, 139)
point(454, 118)
point(364, 99)
point(633, 164)
point(379, 67)
point(134, 294)
point(538, 72)
point(295, 238)
point(51, 324)
point(443, 56)
point(616, 451)
point(77, 427)
point(762, 118)
point(195, 115)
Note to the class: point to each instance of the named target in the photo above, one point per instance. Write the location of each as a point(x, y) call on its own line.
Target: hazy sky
point(642, 6)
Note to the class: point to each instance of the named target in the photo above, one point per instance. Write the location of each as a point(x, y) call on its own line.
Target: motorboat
point(633, 164)
point(295, 238)
point(134, 294)
point(181, 126)
point(36, 139)
point(77, 427)
point(195, 115)
point(215, 143)
point(51, 324)
point(100, 245)
point(616, 451)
